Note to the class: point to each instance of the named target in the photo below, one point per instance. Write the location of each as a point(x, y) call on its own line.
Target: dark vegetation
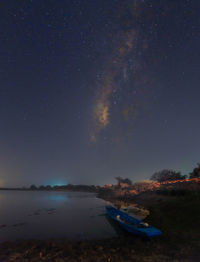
point(160, 176)
point(175, 211)
point(123, 180)
point(178, 218)
point(69, 187)
point(195, 172)
point(170, 175)
point(175, 192)
point(167, 175)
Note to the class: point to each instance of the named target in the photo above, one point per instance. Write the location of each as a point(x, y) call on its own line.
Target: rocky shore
point(177, 217)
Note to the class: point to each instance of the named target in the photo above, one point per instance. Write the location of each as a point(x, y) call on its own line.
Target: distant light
point(57, 183)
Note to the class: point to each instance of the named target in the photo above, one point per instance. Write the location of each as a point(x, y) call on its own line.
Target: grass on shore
point(178, 218)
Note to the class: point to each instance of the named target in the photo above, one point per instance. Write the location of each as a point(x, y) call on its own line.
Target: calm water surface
point(51, 215)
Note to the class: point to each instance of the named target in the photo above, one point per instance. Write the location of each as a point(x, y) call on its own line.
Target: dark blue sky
point(91, 90)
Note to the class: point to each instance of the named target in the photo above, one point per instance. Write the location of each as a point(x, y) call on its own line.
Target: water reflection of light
point(58, 197)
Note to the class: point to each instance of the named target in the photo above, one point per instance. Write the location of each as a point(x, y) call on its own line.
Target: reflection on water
point(45, 215)
point(57, 197)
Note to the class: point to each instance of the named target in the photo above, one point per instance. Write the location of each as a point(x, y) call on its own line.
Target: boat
point(131, 224)
point(136, 212)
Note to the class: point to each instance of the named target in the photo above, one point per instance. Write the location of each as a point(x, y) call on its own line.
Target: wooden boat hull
point(131, 224)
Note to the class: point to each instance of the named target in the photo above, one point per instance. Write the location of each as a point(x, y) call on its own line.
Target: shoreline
point(123, 249)
point(173, 245)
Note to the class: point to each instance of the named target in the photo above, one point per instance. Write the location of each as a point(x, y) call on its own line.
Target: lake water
point(51, 215)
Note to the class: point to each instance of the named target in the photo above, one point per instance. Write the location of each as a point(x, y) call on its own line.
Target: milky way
point(91, 90)
point(125, 60)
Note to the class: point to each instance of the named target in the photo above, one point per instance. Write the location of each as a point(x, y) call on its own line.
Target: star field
point(91, 90)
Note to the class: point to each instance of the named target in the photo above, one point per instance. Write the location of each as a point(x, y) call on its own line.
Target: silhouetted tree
point(167, 174)
point(195, 172)
point(123, 180)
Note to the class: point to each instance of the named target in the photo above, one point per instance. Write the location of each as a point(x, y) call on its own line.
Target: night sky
point(94, 89)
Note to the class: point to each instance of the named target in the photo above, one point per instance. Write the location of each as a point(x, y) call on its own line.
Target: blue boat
point(133, 225)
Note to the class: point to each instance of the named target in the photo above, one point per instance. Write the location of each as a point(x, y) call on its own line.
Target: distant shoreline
point(49, 190)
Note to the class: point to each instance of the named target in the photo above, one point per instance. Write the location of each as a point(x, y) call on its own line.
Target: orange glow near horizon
point(157, 184)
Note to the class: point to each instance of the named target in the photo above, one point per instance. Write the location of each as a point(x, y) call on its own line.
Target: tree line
point(69, 187)
point(165, 175)
point(168, 174)
point(160, 176)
